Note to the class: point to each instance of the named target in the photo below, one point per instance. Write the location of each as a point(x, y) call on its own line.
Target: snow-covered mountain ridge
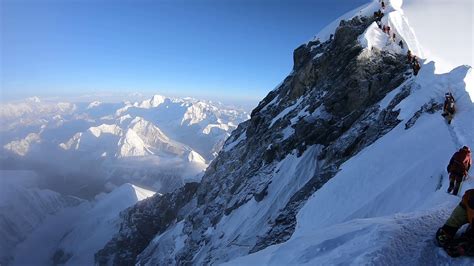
point(159, 142)
point(344, 162)
point(23, 207)
point(42, 227)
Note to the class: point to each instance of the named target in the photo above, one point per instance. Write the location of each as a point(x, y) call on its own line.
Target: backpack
point(459, 163)
point(449, 105)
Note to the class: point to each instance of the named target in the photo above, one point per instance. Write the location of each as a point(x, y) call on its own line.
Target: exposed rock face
point(430, 108)
point(325, 112)
point(142, 222)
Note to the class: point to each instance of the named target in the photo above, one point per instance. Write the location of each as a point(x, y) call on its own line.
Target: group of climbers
point(458, 168)
point(386, 29)
point(378, 15)
point(413, 61)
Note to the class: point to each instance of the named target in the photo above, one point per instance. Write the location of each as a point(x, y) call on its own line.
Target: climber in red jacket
point(458, 167)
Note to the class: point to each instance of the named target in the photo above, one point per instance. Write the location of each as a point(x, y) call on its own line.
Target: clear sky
point(219, 49)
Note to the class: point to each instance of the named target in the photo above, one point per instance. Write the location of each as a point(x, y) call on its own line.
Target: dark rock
point(337, 87)
point(142, 222)
point(430, 108)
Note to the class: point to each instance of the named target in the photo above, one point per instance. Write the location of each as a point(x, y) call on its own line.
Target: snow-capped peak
point(155, 101)
point(196, 158)
point(94, 104)
point(393, 17)
point(34, 99)
point(105, 128)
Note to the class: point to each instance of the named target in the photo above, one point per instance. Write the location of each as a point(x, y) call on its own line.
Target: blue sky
point(227, 49)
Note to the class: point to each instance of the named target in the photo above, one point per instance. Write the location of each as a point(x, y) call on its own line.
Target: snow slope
point(75, 234)
point(387, 202)
point(23, 207)
point(374, 213)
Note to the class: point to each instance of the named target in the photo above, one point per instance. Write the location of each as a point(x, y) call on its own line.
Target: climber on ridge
point(458, 167)
point(461, 215)
point(401, 44)
point(415, 65)
point(448, 107)
point(378, 15)
point(409, 56)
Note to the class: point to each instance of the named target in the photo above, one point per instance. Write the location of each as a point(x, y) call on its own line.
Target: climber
point(416, 68)
point(388, 30)
point(383, 5)
point(378, 15)
point(458, 167)
point(415, 65)
point(448, 108)
point(409, 56)
point(461, 215)
point(393, 37)
point(331, 37)
point(401, 44)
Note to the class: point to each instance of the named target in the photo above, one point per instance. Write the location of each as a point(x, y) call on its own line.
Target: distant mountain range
point(158, 142)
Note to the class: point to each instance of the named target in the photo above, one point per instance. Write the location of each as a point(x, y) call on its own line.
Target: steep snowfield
point(385, 204)
point(75, 234)
point(397, 180)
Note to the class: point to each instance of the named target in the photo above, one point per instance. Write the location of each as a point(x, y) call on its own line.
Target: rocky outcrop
point(142, 222)
point(430, 108)
point(326, 111)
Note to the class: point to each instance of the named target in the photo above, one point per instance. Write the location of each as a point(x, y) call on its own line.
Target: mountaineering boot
point(445, 235)
point(451, 186)
point(456, 189)
point(462, 246)
point(442, 237)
